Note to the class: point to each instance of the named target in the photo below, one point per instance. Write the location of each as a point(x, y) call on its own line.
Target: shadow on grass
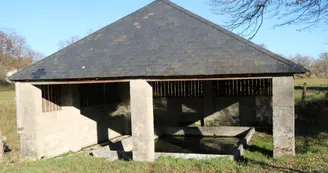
point(263, 151)
point(266, 165)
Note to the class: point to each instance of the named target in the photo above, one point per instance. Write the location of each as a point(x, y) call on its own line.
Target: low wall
point(73, 128)
point(223, 131)
point(122, 149)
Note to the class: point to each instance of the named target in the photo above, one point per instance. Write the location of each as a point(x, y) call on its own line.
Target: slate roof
point(160, 39)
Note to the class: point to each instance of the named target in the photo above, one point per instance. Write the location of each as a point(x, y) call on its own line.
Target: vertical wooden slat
point(48, 96)
point(263, 86)
point(174, 89)
point(248, 88)
point(168, 88)
point(192, 89)
point(42, 94)
point(253, 87)
point(158, 89)
point(55, 97)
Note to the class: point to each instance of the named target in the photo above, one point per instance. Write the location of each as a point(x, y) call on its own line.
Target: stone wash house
point(159, 66)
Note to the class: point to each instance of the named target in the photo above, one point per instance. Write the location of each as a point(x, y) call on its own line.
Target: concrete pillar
point(283, 118)
point(208, 102)
point(29, 108)
point(142, 121)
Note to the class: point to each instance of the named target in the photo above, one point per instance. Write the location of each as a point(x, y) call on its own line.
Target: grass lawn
point(311, 147)
point(316, 88)
point(7, 96)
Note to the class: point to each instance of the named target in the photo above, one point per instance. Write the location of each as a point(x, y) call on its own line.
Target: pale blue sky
point(45, 23)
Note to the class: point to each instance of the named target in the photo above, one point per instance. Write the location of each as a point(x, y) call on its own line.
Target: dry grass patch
point(8, 128)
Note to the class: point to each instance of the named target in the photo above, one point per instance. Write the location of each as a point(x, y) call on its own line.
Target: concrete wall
point(220, 111)
point(247, 110)
point(47, 134)
point(178, 111)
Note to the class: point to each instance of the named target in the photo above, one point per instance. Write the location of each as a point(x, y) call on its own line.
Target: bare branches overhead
point(15, 53)
point(250, 14)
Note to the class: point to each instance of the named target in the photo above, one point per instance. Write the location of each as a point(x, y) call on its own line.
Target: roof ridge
point(235, 36)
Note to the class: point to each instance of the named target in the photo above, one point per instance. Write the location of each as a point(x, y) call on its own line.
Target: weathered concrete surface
point(178, 111)
point(249, 135)
point(216, 111)
point(29, 109)
point(244, 111)
point(142, 120)
point(48, 134)
point(59, 131)
point(226, 131)
point(105, 152)
point(283, 116)
point(244, 141)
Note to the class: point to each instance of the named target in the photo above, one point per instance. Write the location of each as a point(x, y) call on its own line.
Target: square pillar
point(283, 118)
point(142, 121)
point(28, 109)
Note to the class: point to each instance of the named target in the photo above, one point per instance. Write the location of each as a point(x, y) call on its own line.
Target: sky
point(45, 23)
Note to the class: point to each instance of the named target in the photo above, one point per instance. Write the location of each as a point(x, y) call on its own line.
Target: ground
point(311, 145)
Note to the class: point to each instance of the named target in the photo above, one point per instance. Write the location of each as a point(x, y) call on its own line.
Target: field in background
point(311, 145)
point(316, 88)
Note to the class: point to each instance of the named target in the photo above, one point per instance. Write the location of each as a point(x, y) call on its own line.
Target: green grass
point(7, 96)
point(316, 88)
point(312, 156)
point(311, 146)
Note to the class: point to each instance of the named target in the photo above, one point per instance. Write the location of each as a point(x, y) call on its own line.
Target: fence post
point(304, 91)
point(1, 147)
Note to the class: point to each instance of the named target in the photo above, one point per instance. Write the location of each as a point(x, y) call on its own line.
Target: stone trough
point(121, 148)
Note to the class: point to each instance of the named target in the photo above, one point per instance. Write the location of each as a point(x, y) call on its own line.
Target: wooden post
point(1, 147)
point(304, 91)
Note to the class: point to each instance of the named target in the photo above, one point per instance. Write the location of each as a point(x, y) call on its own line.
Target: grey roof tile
point(161, 39)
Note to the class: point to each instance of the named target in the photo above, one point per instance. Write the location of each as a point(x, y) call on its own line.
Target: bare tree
point(322, 64)
point(250, 14)
point(65, 43)
point(304, 61)
point(263, 45)
point(15, 54)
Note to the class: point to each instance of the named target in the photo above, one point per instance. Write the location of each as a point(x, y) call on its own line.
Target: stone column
point(208, 103)
point(283, 118)
point(142, 121)
point(29, 108)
